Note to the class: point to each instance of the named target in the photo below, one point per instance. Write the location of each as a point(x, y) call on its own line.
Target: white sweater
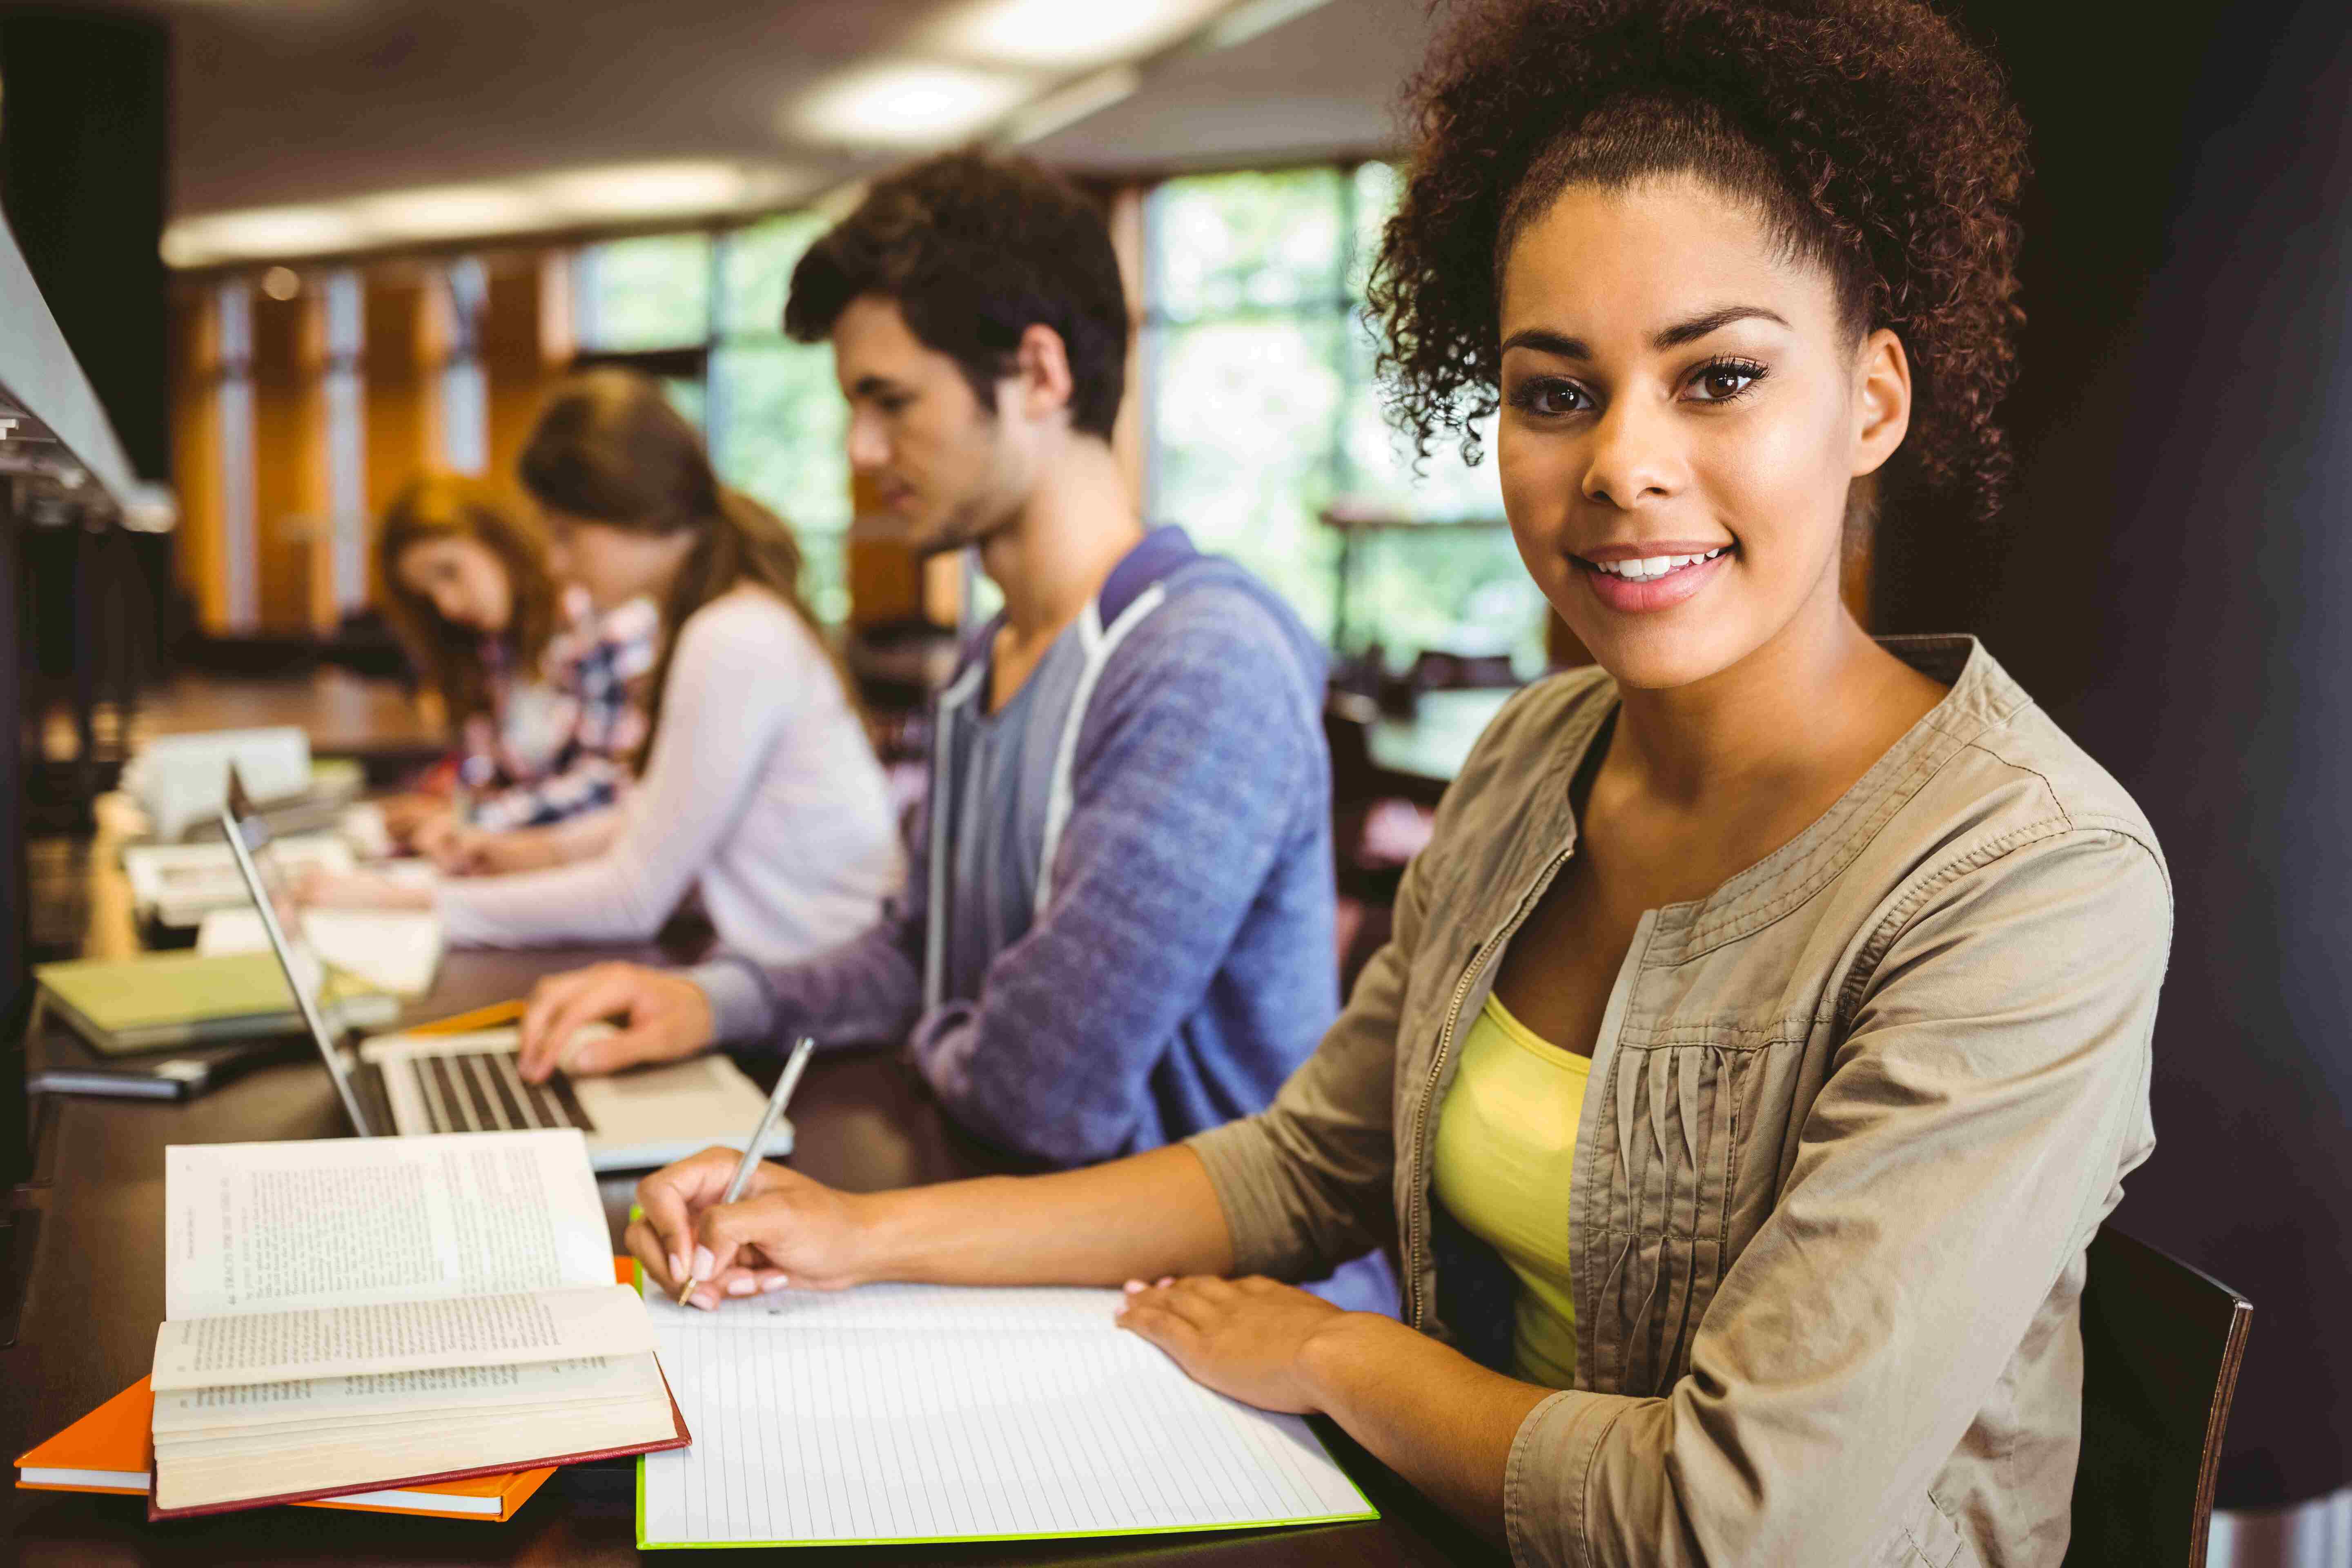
point(761, 792)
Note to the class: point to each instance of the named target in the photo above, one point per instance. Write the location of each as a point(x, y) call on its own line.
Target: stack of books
point(416, 1324)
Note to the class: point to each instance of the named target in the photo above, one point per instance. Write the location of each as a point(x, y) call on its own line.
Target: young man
point(1118, 926)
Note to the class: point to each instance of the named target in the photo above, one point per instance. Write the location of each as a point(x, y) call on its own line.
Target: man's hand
point(662, 1016)
point(1246, 1339)
point(786, 1229)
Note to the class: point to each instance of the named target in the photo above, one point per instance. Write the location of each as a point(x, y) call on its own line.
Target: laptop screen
point(248, 837)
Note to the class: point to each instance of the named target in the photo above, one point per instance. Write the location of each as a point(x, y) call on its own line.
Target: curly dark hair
point(976, 250)
point(1875, 138)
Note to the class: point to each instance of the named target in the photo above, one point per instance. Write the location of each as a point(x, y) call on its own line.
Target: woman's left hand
point(1244, 1338)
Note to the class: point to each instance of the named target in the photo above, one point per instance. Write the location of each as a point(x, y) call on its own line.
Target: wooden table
point(864, 1122)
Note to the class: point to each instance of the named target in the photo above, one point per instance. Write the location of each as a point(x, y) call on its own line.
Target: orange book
point(112, 1449)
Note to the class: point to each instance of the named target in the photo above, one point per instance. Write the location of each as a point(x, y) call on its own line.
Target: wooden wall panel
point(399, 396)
point(196, 457)
point(884, 577)
point(289, 444)
point(522, 358)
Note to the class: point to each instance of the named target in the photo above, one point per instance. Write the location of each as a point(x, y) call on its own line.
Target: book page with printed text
point(273, 1227)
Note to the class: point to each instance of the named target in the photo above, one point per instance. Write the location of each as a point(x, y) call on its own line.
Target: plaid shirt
point(562, 745)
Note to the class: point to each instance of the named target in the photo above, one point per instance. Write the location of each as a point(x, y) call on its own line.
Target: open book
point(348, 1314)
point(179, 884)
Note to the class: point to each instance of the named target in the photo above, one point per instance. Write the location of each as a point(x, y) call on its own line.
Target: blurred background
point(307, 248)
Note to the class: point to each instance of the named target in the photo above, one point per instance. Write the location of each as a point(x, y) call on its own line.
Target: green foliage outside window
point(1261, 405)
point(652, 293)
point(1264, 410)
point(766, 405)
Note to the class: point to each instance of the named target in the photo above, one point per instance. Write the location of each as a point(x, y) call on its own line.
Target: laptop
point(404, 1085)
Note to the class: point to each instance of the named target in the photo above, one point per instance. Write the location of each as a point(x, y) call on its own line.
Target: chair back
point(1348, 719)
point(2161, 1345)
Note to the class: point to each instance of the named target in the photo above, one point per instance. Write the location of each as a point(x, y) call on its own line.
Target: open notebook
point(903, 1413)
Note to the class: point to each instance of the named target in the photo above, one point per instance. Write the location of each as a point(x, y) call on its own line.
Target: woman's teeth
point(1647, 568)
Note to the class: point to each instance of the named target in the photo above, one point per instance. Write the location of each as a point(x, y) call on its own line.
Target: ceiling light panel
point(1252, 18)
point(625, 191)
point(449, 212)
point(1065, 106)
point(1049, 35)
point(257, 232)
point(907, 103)
point(612, 193)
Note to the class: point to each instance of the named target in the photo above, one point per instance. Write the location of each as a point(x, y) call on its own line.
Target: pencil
point(488, 1017)
point(785, 1083)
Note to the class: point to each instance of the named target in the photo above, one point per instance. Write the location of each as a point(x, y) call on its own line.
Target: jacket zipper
point(1414, 1242)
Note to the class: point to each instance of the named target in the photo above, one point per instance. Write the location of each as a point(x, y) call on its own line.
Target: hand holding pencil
point(786, 1081)
point(703, 1238)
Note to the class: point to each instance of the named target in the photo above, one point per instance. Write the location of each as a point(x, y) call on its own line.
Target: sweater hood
point(1166, 556)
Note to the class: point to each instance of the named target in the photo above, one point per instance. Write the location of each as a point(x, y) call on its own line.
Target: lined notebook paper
point(931, 1412)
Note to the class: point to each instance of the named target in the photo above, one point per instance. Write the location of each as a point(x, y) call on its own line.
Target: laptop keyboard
point(480, 1091)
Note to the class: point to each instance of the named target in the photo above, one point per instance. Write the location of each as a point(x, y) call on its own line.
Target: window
point(1262, 411)
point(778, 427)
point(344, 386)
point(704, 314)
point(464, 386)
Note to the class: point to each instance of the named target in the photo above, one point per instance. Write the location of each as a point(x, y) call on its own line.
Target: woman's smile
point(1636, 579)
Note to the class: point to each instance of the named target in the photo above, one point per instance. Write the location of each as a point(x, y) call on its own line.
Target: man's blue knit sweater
point(1150, 952)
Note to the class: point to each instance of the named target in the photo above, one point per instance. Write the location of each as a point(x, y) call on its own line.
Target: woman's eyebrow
point(1697, 327)
point(1545, 341)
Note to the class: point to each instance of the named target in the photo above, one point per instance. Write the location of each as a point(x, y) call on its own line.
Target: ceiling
point(282, 102)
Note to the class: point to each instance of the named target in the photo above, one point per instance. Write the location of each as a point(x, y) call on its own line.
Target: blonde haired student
point(541, 693)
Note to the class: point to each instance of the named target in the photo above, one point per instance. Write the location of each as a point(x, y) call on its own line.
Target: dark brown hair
point(976, 250)
point(609, 449)
point(1872, 137)
point(448, 657)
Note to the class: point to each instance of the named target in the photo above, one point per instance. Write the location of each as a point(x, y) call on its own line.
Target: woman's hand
point(405, 814)
point(438, 838)
point(1247, 1339)
point(786, 1229)
point(480, 854)
point(324, 889)
point(457, 849)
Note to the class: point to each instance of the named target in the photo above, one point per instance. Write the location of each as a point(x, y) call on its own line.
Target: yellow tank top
point(1506, 1146)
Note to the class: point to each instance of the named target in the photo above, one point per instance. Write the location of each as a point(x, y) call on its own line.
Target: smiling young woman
point(1764, 1033)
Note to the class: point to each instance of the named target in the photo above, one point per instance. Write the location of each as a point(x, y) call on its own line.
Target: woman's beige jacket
point(1852, 1120)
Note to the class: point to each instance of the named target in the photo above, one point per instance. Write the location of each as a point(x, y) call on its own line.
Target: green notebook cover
point(165, 999)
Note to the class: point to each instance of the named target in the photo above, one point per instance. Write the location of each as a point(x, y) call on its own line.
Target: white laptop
point(410, 1084)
